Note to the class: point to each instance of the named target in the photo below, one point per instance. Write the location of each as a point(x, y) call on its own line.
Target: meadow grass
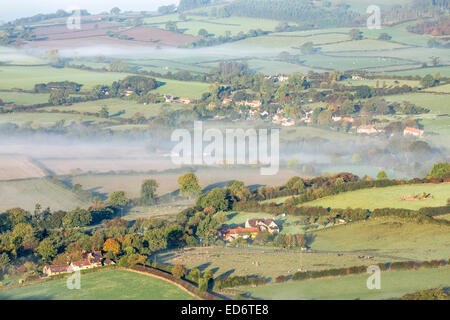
point(388, 197)
point(26, 77)
point(103, 285)
point(45, 119)
point(24, 98)
point(393, 285)
point(385, 239)
point(26, 193)
point(436, 103)
point(119, 107)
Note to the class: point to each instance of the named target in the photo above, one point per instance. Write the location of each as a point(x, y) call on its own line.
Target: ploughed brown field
point(95, 33)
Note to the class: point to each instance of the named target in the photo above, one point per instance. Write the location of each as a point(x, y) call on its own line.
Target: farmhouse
point(263, 225)
point(239, 232)
point(51, 270)
point(92, 259)
point(413, 132)
point(367, 130)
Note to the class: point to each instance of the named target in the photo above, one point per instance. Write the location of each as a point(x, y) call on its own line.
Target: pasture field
point(18, 167)
point(263, 261)
point(399, 34)
point(12, 56)
point(387, 82)
point(361, 45)
point(102, 285)
point(436, 103)
point(385, 239)
point(24, 98)
point(189, 89)
point(209, 177)
point(26, 77)
point(393, 285)
point(214, 26)
point(390, 237)
point(118, 107)
point(345, 63)
point(443, 70)
point(442, 89)
point(26, 193)
point(388, 197)
point(45, 119)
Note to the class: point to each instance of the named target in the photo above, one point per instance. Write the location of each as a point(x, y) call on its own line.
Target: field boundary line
point(149, 274)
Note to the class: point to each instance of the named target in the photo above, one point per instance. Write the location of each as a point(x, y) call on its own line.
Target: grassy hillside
point(385, 239)
point(26, 193)
point(388, 197)
point(105, 285)
point(393, 285)
point(386, 236)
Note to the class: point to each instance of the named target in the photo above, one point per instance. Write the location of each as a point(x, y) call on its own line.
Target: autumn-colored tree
point(189, 184)
point(111, 245)
point(179, 271)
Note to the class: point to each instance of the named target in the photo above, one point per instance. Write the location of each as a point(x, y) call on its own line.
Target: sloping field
point(384, 239)
point(23, 98)
point(436, 103)
point(104, 285)
point(387, 236)
point(26, 193)
point(18, 167)
point(388, 197)
point(26, 77)
point(393, 285)
point(208, 178)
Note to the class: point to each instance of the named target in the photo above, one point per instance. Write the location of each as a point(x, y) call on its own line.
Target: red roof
point(414, 130)
point(81, 263)
point(239, 230)
point(57, 267)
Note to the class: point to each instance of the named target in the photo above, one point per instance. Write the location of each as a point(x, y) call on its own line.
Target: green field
point(215, 26)
point(386, 236)
point(26, 193)
point(388, 197)
point(26, 77)
point(45, 119)
point(393, 285)
point(386, 239)
point(118, 107)
point(23, 98)
point(104, 285)
point(436, 103)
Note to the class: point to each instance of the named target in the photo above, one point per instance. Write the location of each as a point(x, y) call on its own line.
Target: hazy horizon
point(26, 8)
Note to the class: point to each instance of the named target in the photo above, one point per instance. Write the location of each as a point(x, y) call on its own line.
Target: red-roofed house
point(413, 132)
point(264, 225)
point(239, 232)
point(51, 270)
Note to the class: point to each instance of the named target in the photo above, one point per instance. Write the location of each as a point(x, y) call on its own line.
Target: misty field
point(103, 285)
point(388, 197)
point(27, 193)
point(393, 285)
point(19, 167)
point(209, 177)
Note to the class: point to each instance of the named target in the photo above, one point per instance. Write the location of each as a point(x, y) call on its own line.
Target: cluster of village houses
point(90, 259)
point(252, 228)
